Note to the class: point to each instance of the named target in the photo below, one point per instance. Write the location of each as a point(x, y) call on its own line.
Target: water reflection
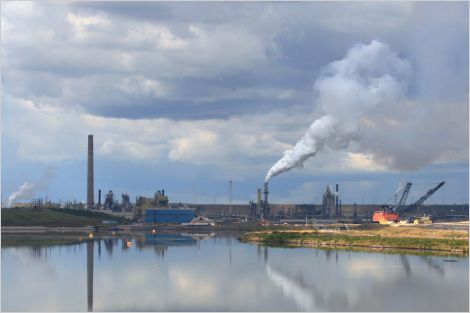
point(433, 264)
point(260, 249)
point(215, 272)
point(292, 289)
point(109, 243)
point(406, 264)
point(89, 254)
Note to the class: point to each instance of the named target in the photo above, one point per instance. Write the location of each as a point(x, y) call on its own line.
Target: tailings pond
point(216, 272)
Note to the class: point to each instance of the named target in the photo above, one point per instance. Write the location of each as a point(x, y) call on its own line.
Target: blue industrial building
point(173, 216)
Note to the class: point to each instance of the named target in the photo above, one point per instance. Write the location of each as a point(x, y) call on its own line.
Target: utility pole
point(230, 197)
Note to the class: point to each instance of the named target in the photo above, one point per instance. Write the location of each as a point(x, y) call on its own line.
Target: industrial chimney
point(265, 204)
point(90, 195)
point(337, 213)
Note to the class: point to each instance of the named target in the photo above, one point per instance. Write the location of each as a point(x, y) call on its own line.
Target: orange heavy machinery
point(392, 213)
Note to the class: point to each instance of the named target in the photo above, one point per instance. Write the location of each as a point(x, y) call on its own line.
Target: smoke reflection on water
point(292, 289)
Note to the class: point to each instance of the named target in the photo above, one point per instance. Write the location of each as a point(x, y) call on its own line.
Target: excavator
point(388, 212)
point(391, 213)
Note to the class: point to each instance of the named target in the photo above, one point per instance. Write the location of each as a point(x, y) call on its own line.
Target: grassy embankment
point(55, 217)
point(396, 238)
point(39, 240)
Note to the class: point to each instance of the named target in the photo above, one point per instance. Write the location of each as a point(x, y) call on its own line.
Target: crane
point(388, 212)
point(421, 200)
point(393, 213)
point(404, 195)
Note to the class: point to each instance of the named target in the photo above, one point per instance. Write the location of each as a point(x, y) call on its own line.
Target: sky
point(186, 96)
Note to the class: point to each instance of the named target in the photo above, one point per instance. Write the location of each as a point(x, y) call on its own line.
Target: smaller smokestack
point(163, 192)
point(337, 201)
point(230, 197)
point(99, 197)
point(266, 203)
point(259, 200)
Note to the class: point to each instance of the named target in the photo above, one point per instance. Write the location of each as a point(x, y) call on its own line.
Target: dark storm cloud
point(179, 109)
point(175, 12)
point(439, 52)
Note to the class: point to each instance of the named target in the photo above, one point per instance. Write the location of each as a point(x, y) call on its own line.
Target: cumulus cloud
point(217, 142)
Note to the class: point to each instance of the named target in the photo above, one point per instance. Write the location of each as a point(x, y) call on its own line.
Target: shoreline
point(6, 230)
point(372, 238)
point(358, 241)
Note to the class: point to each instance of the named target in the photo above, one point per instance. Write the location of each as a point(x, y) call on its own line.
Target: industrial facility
point(157, 209)
point(331, 203)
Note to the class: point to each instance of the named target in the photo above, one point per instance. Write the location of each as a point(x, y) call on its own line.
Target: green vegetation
point(55, 217)
point(86, 213)
point(325, 239)
point(38, 240)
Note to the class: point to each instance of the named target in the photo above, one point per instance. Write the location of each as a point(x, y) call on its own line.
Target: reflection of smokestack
point(90, 196)
point(89, 263)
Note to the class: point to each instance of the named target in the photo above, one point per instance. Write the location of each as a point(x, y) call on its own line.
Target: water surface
point(215, 272)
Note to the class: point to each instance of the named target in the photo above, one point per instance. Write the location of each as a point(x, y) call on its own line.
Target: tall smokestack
point(90, 196)
point(259, 200)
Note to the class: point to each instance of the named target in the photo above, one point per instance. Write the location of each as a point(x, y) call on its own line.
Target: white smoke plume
point(26, 191)
point(362, 98)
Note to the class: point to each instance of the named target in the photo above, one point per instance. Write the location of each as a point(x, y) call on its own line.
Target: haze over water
point(180, 272)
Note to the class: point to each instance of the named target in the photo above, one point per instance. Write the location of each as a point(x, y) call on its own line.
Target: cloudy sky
point(186, 96)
